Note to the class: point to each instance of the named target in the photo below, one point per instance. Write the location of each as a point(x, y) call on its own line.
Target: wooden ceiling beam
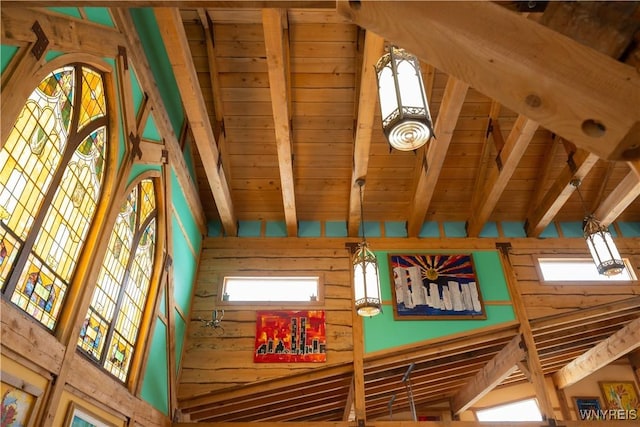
point(454, 94)
point(124, 22)
point(367, 104)
point(276, 43)
point(619, 199)
point(179, 53)
point(542, 214)
point(617, 345)
point(493, 373)
point(507, 57)
point(485, 201)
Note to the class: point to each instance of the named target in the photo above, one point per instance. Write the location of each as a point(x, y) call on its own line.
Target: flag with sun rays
point(435, 286)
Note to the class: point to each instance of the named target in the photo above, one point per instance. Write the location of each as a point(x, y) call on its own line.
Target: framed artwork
point(620, 395)
point(20, 400)
point(290, 336)
point(588, 408)
point(77, 416)
point(441, 286)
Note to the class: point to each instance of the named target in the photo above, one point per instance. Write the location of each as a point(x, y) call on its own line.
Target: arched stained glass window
point(51, 176)
point(110, 329)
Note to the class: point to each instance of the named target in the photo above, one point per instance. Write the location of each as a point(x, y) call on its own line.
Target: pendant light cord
point(360, 182)
point(576, 184)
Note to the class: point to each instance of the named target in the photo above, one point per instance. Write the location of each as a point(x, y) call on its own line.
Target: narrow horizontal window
point(578, 269)
point(523, 410)
point(270, 289)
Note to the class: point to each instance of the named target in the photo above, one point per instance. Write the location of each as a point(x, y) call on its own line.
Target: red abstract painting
point(290, 336)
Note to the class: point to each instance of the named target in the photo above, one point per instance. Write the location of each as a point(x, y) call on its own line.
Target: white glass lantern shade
point(406, 120)
point(602, 247)
point(366, 281)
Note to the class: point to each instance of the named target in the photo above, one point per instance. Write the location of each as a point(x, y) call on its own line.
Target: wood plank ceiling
point(291, 99)
point(283, 111)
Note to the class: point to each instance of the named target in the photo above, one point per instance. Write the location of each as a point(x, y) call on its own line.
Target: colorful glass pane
point(123, 283)
point(9, 247)
point(39, 292)
point(92, 104)
point(31, 171)
point(68, 219)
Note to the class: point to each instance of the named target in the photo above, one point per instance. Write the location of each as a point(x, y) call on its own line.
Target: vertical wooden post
point(535, 367)
point(358, 354)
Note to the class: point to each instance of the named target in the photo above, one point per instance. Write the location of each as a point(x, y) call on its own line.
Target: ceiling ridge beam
point(490, 376)
point(277, 49)
point(179, 53)
point(617, 345)
point(543, 213)
point(135, 51)
point(367, 102)
point(501, 56)
point(485, 201)
point(455, 93)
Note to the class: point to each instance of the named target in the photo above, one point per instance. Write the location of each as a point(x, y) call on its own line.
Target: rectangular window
point(578, 269)
point(524, 410)
point(270, 289)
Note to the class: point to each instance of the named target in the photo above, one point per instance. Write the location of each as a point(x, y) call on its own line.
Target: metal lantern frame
point(408, 125)
point(366, 276)
point(599, 241)
point(602, 247)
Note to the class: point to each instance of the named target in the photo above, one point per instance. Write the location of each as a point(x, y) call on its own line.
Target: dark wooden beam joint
point(122, 52)
point(134, 140)
point(352, 246)
point(499, 162)
point(489, 128)
point(41, 43)
point(572, 163)
point(165, 157)
point(503, 247)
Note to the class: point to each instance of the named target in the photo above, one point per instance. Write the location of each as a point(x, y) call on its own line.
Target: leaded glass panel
point(120, 295)
point(50, 184)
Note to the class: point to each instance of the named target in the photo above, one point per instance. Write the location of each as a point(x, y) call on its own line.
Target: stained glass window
point(110, 329)
point(51, 176)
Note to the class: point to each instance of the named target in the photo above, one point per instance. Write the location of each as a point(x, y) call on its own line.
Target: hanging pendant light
point(599, 241)
point(366, 279)
point(406, 120)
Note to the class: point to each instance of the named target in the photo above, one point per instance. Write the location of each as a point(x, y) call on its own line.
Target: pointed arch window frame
point(78, 136)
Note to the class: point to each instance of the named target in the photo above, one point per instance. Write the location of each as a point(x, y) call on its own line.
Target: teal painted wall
point(147, 27)
point(382, 332)
point(6, 55)
point(155, 384)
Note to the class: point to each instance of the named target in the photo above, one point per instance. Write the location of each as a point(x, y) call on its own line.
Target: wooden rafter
point(493, 133)
point(135, 50)
point(250, 4)
point(542, 214)
point(619, 199)
point(485, 201)
point(493, 373)
point(617, 345)
point(178, 50)
point(276, 45)
point(500, 56)
point(367, 102)
point(452, 100)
